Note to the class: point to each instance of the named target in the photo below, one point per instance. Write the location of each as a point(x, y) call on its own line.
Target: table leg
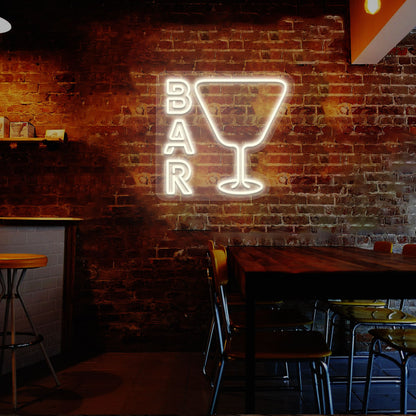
point(250, 348)
point(13, 337)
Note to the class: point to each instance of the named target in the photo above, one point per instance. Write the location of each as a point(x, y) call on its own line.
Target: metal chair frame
point(351, 355)
point(225, 333)
point(404, 356)
point(377, 351)
point(319, 370)
point(297, 321)
point(334, 309)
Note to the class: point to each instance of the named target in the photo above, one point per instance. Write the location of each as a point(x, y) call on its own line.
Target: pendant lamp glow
point(372, 6)
point(5, 26)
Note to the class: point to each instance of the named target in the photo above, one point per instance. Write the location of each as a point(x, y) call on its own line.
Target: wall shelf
point(51, 143)
point(31, 140)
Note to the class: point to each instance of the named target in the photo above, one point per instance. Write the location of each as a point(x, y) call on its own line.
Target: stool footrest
point(36, 339)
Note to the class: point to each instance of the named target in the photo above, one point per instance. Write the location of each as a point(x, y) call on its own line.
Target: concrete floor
point(166, 383)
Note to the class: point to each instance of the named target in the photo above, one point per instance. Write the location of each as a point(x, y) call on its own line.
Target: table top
point(327, 271)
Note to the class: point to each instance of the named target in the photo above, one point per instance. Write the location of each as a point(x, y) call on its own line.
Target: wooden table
point(314, 272)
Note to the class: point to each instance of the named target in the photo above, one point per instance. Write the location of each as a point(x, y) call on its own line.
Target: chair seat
point(374, 315)
point(287, 345)
point(22, 260)
point(271, 318)
point(403, 339)
point(356, 302)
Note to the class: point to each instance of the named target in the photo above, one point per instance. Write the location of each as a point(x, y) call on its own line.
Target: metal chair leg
point(216, 390)
point(208, 346)
point(315, 385)
point(351, 368)
point(326, 384)
point(322, 387)
point(404, 381)
point(369, 375)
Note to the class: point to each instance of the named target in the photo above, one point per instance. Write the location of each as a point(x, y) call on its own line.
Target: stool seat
point(22, 261)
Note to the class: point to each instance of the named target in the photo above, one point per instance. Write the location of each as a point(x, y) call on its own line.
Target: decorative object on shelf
point(14, 132)
point(56, 135)
point(4, 127)
point(22, 129)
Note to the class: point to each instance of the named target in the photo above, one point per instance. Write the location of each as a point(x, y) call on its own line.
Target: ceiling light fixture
point(372, 6)
point(5, 26)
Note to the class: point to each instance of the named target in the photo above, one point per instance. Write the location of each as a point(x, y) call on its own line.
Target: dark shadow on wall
point(127, 297)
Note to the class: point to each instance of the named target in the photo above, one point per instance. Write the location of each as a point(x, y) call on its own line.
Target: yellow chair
point(281, 345)
point(401, 340)
point(404, 342)
point(268, 315)
point(371, 315)
point(328, 306)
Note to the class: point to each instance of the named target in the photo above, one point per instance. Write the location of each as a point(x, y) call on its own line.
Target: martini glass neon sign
point(238, 112)
point(241, 184)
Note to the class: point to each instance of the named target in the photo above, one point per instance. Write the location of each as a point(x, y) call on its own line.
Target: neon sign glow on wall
point(207, 128)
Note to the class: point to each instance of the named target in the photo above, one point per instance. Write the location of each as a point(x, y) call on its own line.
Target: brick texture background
point(341, 165)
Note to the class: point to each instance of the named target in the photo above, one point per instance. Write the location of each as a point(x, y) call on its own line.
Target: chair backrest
point(409, 250)
point(219, 264)
point(218, 257)
point(383, 246)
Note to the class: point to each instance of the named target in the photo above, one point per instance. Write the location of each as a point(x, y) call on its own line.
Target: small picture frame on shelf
point(55, 135)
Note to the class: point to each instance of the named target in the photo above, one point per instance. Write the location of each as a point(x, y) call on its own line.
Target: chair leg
point(315, 385)
point(208, 346)
point(351, 368)
point(369, 375)
point(217, 384)
point(330, 328)
point(322, 387)
point(327, 324)
point(300, 378)
point(326, 385)
point(403, 386)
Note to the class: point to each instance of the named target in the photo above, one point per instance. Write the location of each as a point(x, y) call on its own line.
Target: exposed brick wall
point(341, 166)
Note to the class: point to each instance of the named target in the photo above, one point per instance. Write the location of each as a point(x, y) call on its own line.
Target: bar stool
point(16, 266)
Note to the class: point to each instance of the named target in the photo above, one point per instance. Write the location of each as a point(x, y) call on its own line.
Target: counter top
point(36, 219)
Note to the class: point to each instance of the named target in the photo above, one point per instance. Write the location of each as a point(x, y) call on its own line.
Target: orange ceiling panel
point(373, 36)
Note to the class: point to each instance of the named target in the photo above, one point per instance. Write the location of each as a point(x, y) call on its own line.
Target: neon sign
point(237, 114)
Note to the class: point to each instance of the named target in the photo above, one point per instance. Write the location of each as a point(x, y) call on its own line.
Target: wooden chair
point(282, 345)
